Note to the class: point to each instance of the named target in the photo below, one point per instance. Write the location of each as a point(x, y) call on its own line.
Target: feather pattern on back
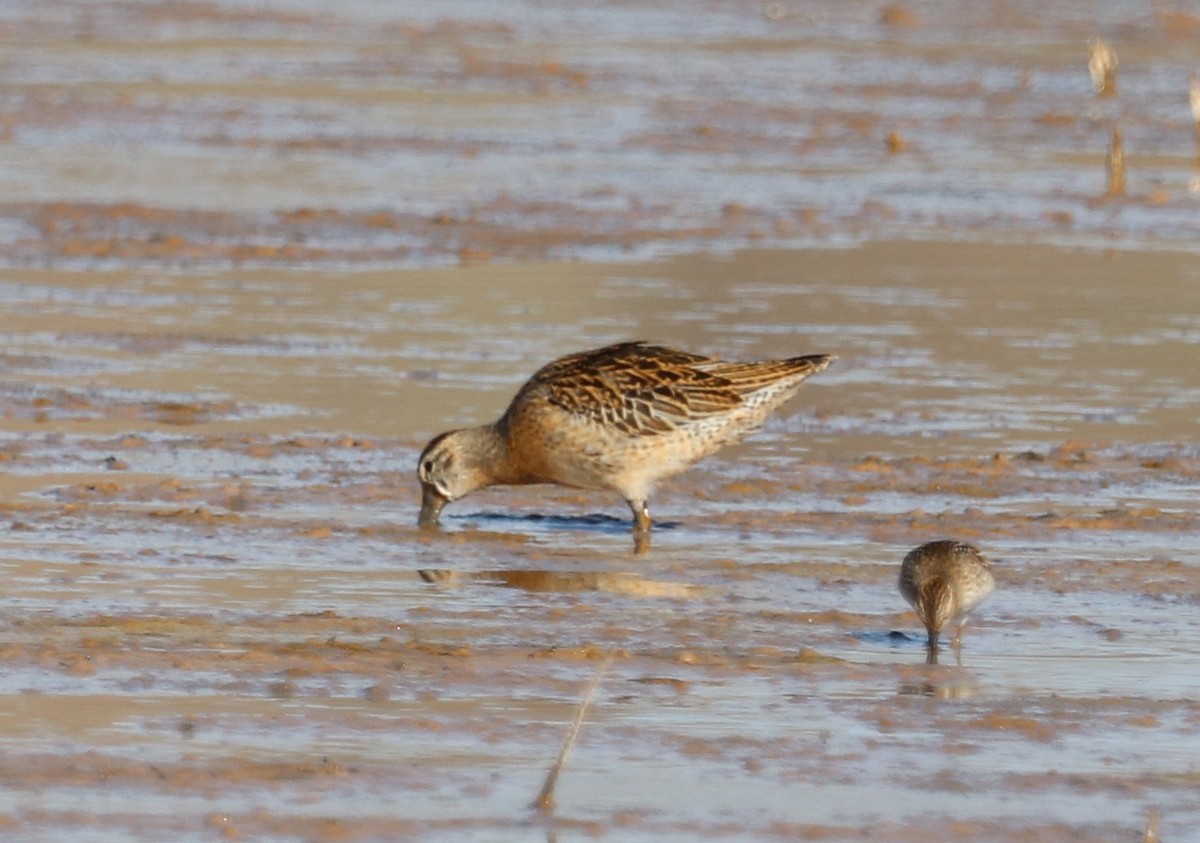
point(645, 390)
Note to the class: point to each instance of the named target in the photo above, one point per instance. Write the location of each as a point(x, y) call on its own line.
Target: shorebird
point(943, 581)
point(619, 418)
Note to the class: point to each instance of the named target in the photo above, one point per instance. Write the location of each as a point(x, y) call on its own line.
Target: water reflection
point(932, 650)
point(939, 681)
point(592, 522)
point(952, 685)
point(633, 585)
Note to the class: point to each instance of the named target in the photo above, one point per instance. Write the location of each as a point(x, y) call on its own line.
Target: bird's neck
point(490, 456)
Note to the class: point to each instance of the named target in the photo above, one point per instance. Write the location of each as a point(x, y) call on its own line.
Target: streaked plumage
point(618, 418)
point(943, 581)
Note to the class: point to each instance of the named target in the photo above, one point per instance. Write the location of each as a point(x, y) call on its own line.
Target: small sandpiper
point(619, 418)
point(943, 581)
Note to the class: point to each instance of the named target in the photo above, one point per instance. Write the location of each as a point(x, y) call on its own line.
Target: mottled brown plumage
point(943, 581)
point(618, 418)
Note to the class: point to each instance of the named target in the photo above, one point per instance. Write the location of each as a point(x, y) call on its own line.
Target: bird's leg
point(931, 646)
point(641, 516)
point(641, 526)
point(956, 641)
point(641, 542)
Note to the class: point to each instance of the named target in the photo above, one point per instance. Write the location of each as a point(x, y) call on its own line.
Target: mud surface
point(243, 133)
point(254, 256)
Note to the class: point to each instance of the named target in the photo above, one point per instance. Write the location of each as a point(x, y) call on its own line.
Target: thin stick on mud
point(1194, 99)
point(1151, 835)
point(545, 800)
point(1116, 163)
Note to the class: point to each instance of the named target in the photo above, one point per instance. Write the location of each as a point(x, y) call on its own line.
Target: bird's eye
point(428, 466)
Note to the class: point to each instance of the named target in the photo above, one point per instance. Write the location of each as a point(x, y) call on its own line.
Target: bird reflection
point(950, 686)
point(610, 582)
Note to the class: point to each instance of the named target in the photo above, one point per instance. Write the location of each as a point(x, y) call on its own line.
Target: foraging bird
point(943, 581)
point(619, 418)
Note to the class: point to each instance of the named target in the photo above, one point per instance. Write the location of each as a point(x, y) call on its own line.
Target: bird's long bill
point(432, 502)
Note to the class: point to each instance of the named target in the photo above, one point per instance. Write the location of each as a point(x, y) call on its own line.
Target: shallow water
point(214, 620)
point(234, 312)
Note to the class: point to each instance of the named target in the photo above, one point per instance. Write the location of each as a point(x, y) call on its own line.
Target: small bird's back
point(945, 580)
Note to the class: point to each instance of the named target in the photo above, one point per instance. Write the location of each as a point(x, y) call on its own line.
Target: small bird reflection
point(954, 686)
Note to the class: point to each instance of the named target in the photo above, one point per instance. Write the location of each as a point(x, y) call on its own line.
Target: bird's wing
point(637, 388)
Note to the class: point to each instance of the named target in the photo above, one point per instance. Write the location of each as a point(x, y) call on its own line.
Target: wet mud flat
point(238, 133)
point(220, 622)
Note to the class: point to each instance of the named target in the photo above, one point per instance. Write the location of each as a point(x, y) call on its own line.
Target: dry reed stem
point(1194, 97)
point(1151, 835)
point(1116, 164)
point(545, 799)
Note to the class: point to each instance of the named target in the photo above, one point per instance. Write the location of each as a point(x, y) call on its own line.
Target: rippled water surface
point(253, 256)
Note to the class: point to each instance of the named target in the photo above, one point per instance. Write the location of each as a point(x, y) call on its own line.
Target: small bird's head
point(936, 605)
point(452, 465)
